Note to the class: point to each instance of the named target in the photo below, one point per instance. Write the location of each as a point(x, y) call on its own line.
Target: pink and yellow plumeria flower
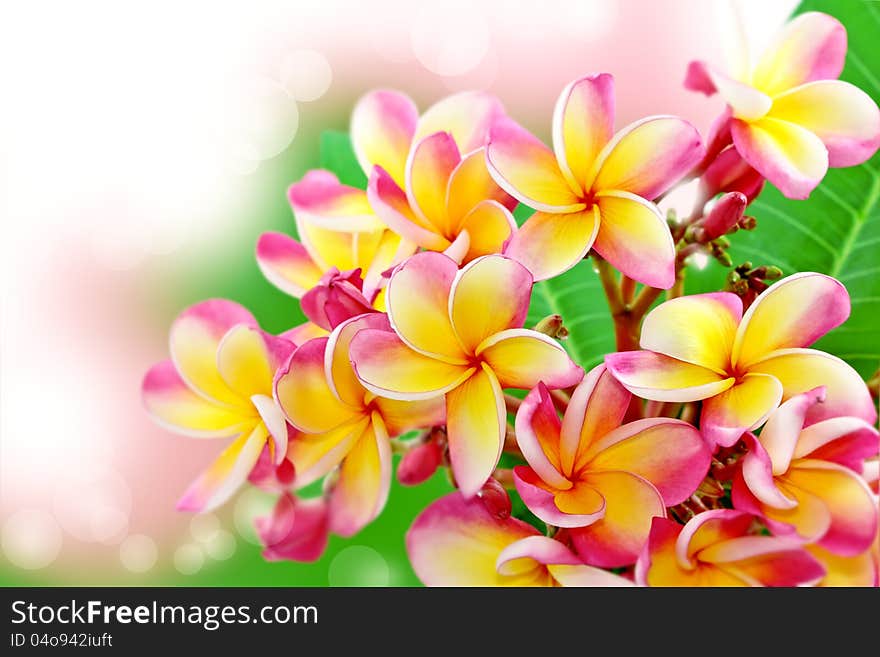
point(715, 548)
point(602, 480)
point(338, 228)
point(594, 189)
point(459, 334)
point(428, 177)
point(218, 384)
point(743, 366)
point(345, 424)
point(805, 483)
point(458, 542)
point(791, 117)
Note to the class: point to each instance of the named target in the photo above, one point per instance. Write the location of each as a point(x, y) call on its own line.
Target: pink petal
point(844, 440)
point(597, 407)
point(467, 116)
point(319, 199)
point(476, 423)
point(527, 170)
point(542, 502)
point(392, 207)
point(428, 169)
point(743, 407)
point(789, 156)
point(697, 78)
point(634, 237)
point(757, 474)
point(655, 376)
point(793, 312)
point(648, 157)
point(382, 128)
point(583, 122)
point(247, 359)
point(550, 244)
point(779, 437)
point(537, 434)
point(286, 264)
point(296, 531)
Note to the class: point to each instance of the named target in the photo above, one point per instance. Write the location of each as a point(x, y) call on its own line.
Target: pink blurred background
point(134, 137)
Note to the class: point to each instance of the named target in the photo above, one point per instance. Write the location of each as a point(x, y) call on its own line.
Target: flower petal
point(550, 244)
point(476, 422)
point(597, 407)
point(456, 542)
point(402, 416)
point(807, 521)
point(364, 481)
point(488, 295)
point(800, 370)
point(297, 530)
point(226, 474)
point(314, 455)
point(467, 116)
point(382, 128)
point(319, 199)
point(810, 47)
point(744, 406)
point(489, 226)
point(247, 359)
point(655, 376)
point(634, 237)
point(583, 122)
point(843, 116)
point(668, 453)
point(175, 407)
point(618, 538)
point(765, 561)
point(791, 157)
point(779, 436)
point(648, 157)
point(391, 250)
point(757, 474)
point(527, 170)
point(392, 207)
point(471, 184)
point(746, 102)
point(582, 575)
point(845, 571)
point(195, 337)
point(389, 368)
point(521, 358)
point(286, 264)
point(428, 169)
point(541, 501)
point(338, 371)
point(537, 434)
point(706, 529)
point(417, 298)
point(304, 394)
point(794, 312)
point(848, 500)
point(697, 329)
point(844, 440)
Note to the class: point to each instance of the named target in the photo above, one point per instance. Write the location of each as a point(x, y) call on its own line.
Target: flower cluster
point(715, 447)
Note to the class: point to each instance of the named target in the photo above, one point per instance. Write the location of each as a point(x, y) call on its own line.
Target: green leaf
point(337, 155)
point(837, 230)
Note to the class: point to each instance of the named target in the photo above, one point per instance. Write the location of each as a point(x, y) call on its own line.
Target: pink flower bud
point(724, 216)
point(496, 499)
point(730, 173)
point(270, 477)
point(418, 464)
point(338, 296)
point(297, 530)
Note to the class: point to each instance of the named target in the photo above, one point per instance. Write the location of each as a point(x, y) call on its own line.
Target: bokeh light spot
point(306, 75)
point(31, 539)
point(189, 559)
point(359, 565)
point(138, 553)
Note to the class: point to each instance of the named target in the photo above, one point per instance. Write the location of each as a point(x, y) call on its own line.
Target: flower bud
point(272, 477)
point(724, 216)
point(496, 499)
point(552, 326)
point(419, 463)
point(730, 173)
point(338, 296)
point(296, 531)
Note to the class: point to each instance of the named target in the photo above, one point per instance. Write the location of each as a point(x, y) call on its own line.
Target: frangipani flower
point(218, 384)
point(458, 542)
point(791, 117)
point(804, 482)
point(297, 530)
point(603, 480)
point(345, 424)
point(338, 229)
point(594, 189)
point(428, 177)
point(702, 347)
point(715, 548)
point(459, 334)
point(338, 296)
